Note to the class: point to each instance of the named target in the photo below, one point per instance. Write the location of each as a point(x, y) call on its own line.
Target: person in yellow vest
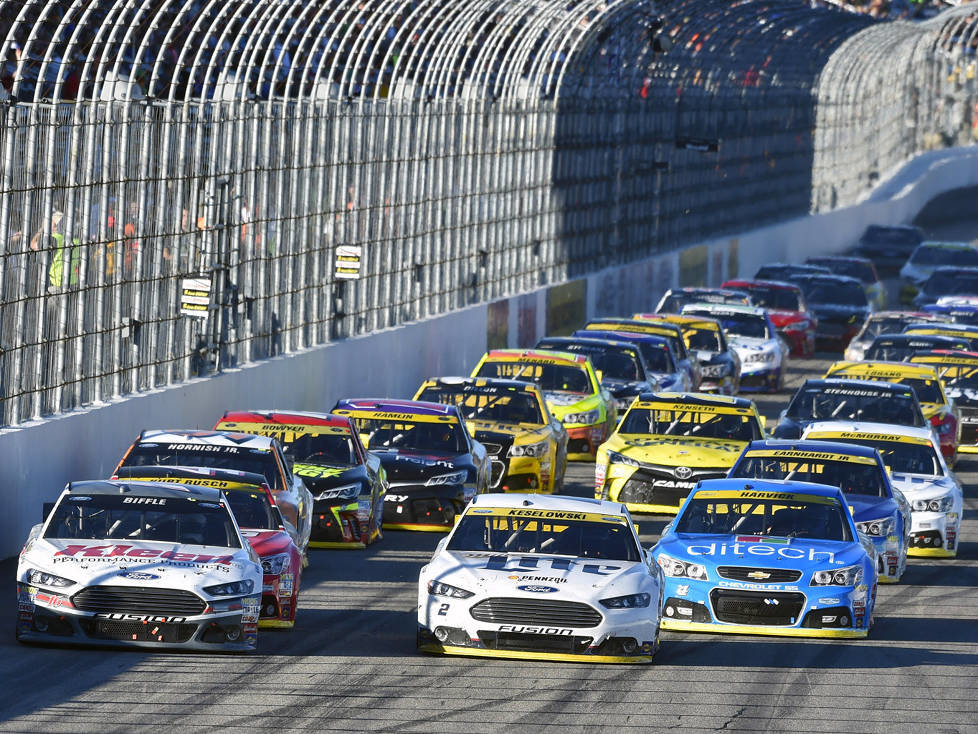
point(60, 258)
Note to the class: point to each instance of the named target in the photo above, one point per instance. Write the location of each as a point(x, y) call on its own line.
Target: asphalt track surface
point(350, 663)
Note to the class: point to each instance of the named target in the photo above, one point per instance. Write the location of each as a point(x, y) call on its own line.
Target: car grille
point(969, 425)
point(534, 643)
point(138, 631)
point(138, 600)
point(662, 487)
point(547, 612)
point(756, 607)
point(760, 575)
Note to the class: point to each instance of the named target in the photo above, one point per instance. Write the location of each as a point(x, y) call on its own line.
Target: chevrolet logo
point(759, 575)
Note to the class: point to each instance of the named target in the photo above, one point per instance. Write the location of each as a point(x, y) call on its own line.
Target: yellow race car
point(943, 416)
point(527, 446)
point(571, 388)
point(667, 442)
point(959, 375)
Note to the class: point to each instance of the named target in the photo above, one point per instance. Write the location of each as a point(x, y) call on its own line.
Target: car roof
point(893, 314)
point(390, 405)
point(816, 259)
point(175, 474)
point(762, 283)
point(946, 356)
point(547, 502)
point(811, 444)
point(833, 277)
point(932, 338)
point(948, 244)
point(164, 490)
point(631, 336)
point(206, 438)
point(904, 369)
point(695, 398)
point(943, 326)
point(587, 341)
point(828, 382)
point(869, 427)
point(722, 308)
point(781, 486)
point(532, 354)
point(296, 417)
point(500, 383)
point(618, 321)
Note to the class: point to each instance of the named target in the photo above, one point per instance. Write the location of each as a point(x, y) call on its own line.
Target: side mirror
point(35, 532)
point(46, 509)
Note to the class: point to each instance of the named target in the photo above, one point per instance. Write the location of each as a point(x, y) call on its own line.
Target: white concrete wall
point(37, 459)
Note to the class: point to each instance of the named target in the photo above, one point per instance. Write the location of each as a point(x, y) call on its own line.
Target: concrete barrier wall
point(37, 459)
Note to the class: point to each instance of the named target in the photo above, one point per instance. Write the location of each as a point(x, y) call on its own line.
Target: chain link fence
point(190, 185)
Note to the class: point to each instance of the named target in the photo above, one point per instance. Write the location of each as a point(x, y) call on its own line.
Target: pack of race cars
point(199, 537)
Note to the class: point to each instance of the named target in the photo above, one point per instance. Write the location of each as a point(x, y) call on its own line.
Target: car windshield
point(876, 233)
point(884, 325)
point(487, 403)
point(403, 434)
point(745, 325)
point(614, 362)
point(136, 516)
point(333, 449)
point(853, 268)
point(903, 457)
point(849, 476)
point(550, 376)
point(964, 316)
point(256, 461)
point(854, 403)
point(949, 284)
point(252, 509)
point(782, 272)
point(940, 255)
point(548, 532)
point(775, 299)
point(842, 293)
point(957, 376)
point(687, 421)
point(823, 520)
point(703, 339)
point(928, 391)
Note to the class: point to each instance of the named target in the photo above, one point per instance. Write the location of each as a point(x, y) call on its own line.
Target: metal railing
point(188, 185)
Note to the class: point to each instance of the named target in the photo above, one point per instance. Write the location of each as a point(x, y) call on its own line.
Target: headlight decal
point(457, 477)
point(877, 528)
point(440, 588)
point(675, 568)
point(848, 576)
point(232, 588)
point(532, 450)
point(944, 503)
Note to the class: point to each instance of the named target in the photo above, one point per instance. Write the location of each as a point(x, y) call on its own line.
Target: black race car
point(901, 347)
point(840, 305)
point(788, 271)
point(620, 364)
point(849, 400)
point(949, 280)
point(888, 247)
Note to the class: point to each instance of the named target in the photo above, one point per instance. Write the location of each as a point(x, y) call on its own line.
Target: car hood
point(268, 542)
point(320, 477)
point(837, 310)
point(621, 388)
point(678, 450)
point(962, 396)
point(780, 318)
point(506, 573)
point(410, 465)
point(495, 432)
point(922, 486)
point(864, 508)
point(753, 550)
point(131, 563)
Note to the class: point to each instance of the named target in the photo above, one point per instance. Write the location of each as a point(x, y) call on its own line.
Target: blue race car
point(767, 557)
point(878, 510)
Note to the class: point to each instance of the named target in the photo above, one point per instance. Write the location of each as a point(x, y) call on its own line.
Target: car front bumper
point(412, 506)
point(343, 524)
point(934, 534)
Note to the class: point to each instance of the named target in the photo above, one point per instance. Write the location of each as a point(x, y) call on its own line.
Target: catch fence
point(189, 185)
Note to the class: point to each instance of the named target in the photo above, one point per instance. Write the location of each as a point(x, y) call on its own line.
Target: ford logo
point(537, 589)
point(139, 575)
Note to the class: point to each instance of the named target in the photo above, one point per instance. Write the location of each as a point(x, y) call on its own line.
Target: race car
point(719, 363)
point(572, 390)
point(840, 305)
point(751, 333)
point(541, 578)
point(785, 304)
point(526, 445)
point(228, 450)
point(261, 524)
point(854, 400)
point(788, 271)
point(878, 511)
point(955, 310)
point(958, 371)
point(889, 246)
point(669, 441)
point(882, 322)
point(930, 256)
point(675, 298)
point(139, 564)
point(618, 364)
point(940, 412)
point(670, 332)
point(955, 331)
point(901, 347)
point(662, 363)
point(433, 466)
point(767, 557)
point(917, 470)
point(942, 283)
point(348, 483)
point(861, 269)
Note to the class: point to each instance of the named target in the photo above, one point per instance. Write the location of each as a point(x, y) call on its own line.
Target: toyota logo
point(683, 472)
